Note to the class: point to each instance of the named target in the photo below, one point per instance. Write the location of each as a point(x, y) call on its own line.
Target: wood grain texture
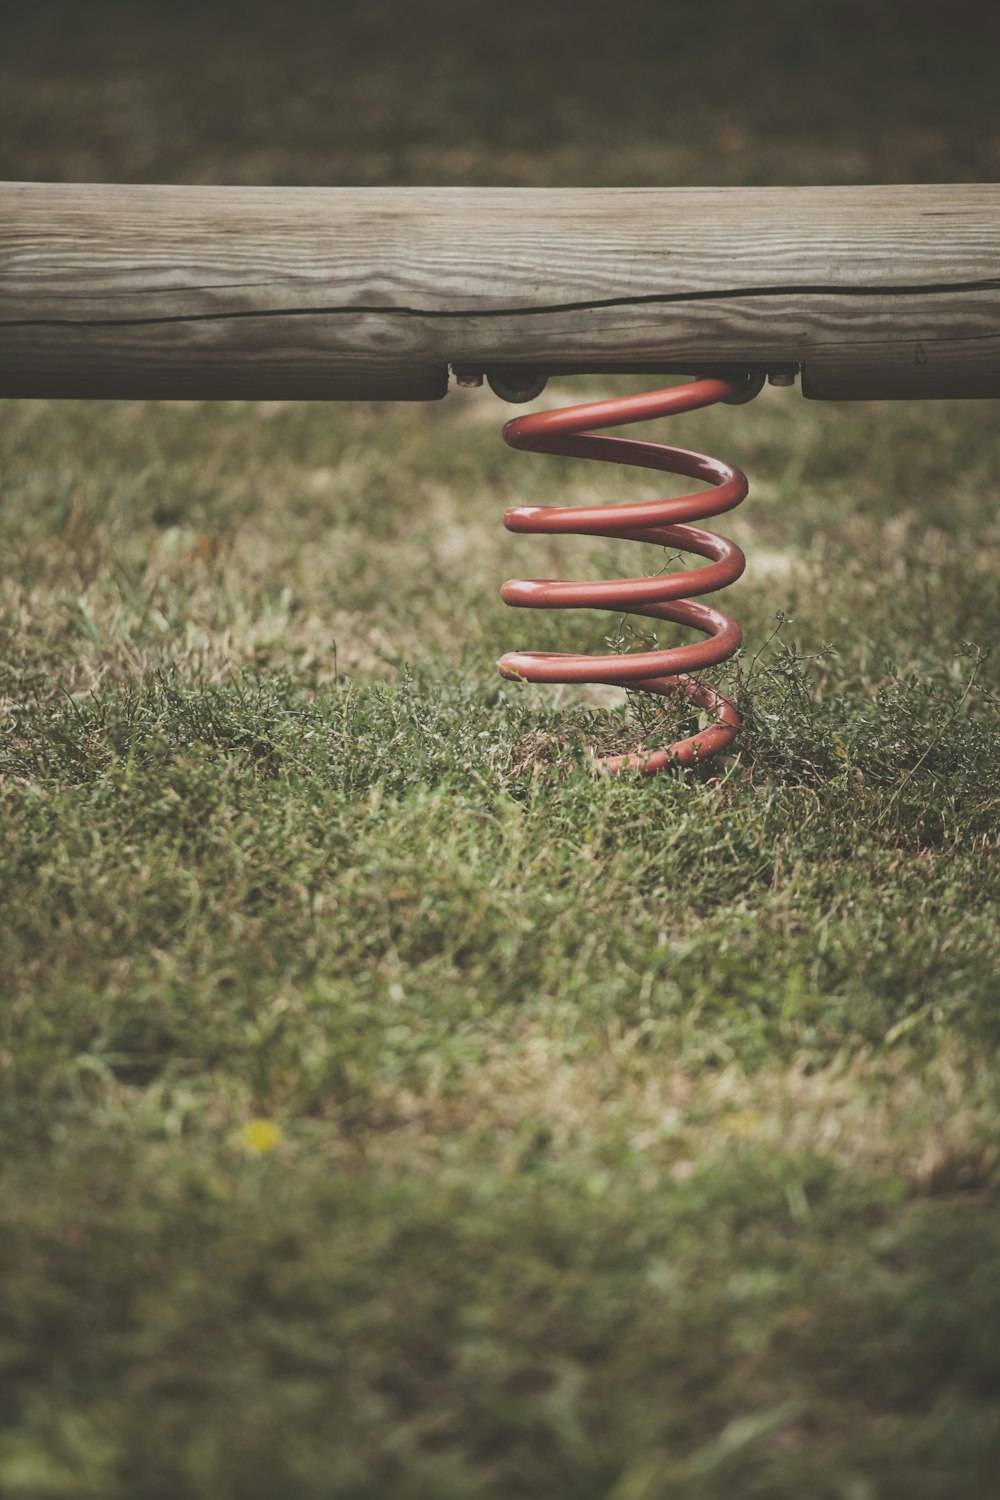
point(372, 293)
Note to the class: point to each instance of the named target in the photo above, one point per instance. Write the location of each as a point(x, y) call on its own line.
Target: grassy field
point(384, 1115)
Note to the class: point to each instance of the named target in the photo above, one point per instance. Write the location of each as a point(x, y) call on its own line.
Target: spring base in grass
point(575, 432)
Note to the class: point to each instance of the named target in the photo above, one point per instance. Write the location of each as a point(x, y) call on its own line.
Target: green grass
point(390, 1105)
point(636, 1139)
point(454, 91)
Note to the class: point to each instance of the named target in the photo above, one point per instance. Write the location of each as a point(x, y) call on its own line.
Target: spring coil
point(666, 523)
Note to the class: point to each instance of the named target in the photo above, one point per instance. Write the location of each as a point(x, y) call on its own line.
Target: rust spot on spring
point(665, 523)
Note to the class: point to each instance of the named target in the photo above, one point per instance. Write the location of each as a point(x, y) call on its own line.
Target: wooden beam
point(372, 293)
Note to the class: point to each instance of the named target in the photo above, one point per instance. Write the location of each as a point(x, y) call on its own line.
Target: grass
point(385, 1114)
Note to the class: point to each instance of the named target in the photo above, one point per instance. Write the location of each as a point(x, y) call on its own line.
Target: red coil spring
point(663, 597)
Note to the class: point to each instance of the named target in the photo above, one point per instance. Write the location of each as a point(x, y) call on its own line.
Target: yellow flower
point(743, 1124)
point(261, 1136)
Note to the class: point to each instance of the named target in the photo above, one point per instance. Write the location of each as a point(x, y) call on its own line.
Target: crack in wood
point(545, 310)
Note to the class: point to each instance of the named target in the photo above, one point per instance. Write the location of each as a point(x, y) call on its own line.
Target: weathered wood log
point(373, 293)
